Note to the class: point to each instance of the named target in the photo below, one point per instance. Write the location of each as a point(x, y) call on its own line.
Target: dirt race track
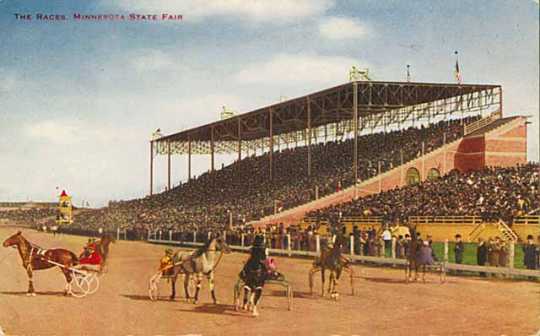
point(383, 304)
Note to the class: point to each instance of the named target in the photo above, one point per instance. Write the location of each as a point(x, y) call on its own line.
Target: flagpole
point(459, 79)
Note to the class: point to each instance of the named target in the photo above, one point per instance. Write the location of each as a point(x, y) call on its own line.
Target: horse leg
point(211, 286)
point(186, 286)
point(247, 293)
point(257, 294)
point(351, 276)
point(331, 280)
point(198, 288)
point(30, 291)
point(311, 274)
point(322, 280)
point(67, 275)
point(173, 286)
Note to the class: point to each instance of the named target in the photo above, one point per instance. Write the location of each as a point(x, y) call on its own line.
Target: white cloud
point(249, 10)
point(341, 28)
point(152, 60)
point(64, 132)
point(299, 69)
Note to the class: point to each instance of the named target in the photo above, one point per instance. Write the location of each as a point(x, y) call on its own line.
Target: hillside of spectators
point(26, 217)
point(492, 193)
point(245, 189)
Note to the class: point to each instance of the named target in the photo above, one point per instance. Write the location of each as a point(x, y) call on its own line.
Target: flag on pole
point(459, 79)
point(408, 73)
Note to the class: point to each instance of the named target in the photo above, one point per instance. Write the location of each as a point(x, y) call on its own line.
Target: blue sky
point(79, 100)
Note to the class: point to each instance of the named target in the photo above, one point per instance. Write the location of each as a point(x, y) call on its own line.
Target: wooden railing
point(476, 125)
point(445, 220)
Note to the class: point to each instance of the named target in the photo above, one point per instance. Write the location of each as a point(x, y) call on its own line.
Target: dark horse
point(102, 246)
point(420, 256)
point(36, 258)
point(332, 260)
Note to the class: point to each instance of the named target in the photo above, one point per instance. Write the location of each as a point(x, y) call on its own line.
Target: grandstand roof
point(325, 107)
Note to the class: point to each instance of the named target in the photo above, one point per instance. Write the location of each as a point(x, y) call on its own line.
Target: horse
point(102, 246)
point(202, 262)
point(419, 258)
point(332, 260)
point(36, 258)
point(254, 275)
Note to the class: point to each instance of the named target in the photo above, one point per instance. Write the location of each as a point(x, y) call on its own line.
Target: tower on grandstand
point(226, 113)
point(65, 209)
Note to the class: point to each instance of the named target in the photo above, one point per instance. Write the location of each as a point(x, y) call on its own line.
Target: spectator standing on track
point(530, 256)
point(400, 247)
point(493, 252)
point(387, 237)
point(538, 252)
point(458, 250)
point(481, 254)
point(503, 253)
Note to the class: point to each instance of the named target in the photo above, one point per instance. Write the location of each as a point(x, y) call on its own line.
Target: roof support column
point(270, 156)
point(151, 167)
point(168, 165)
point(212, 149)
point(189, 160)
point(355, 128)
point(309, 136)
point(239, 139)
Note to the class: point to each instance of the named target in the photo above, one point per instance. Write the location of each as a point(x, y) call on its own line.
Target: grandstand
point(321, 150)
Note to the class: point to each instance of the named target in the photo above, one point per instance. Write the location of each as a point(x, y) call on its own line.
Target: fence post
point(194, 236)
point(208, 236)
point(125, 234)
point(160, 233)
point(225, 236)
point(317, 243)
point(117, 233)
point(351, 245)
point(170, 234)
point(511, 258)
point(289, 243)
point(445, 251)
point(242, 240)
point(393, 254)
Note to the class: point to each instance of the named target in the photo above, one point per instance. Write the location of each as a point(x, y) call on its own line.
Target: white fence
point(507, 271)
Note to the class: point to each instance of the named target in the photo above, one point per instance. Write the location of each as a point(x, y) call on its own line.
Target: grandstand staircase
point(491, 124)
point(506, 232)
point(475, 233)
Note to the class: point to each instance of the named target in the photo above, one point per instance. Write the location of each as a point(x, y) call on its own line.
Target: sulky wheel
point(80, 285)
point(93, 283)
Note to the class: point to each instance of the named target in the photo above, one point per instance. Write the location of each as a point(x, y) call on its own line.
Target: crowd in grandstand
point(243, 190)
point(26, 217)
point(492, 193)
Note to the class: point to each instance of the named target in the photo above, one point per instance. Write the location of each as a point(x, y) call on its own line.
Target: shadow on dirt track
point(47, 293)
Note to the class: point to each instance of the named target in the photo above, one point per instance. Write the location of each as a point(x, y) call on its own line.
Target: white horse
point(202, 262)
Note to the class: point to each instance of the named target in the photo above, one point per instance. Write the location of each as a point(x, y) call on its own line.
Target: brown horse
point(331, 259)
point(103, 248)
point(36, 258)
